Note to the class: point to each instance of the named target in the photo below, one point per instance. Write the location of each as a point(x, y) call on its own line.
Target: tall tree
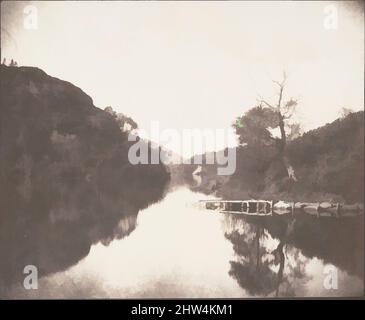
point(283, 110)
point(254, 128)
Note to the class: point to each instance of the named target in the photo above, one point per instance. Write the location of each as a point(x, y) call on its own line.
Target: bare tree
point(284, 110)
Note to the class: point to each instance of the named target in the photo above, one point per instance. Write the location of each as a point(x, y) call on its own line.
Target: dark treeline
point(328, 164)
point(65, 181)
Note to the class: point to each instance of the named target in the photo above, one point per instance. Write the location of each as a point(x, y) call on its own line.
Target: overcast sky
point(195, 64)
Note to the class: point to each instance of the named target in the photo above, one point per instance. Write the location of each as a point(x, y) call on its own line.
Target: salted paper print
point(181, 149)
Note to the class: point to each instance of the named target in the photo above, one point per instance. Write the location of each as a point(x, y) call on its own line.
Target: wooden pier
point(268, 207)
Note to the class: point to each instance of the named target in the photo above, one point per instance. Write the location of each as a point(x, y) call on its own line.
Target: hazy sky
point(195, 64)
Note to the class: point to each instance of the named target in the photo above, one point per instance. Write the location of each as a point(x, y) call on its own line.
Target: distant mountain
point(65, 180)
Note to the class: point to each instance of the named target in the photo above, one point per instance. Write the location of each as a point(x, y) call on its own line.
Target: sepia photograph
point(182, 150)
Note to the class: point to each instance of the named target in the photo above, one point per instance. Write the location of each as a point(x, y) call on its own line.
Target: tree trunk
point(289, 168)
point(283, 135)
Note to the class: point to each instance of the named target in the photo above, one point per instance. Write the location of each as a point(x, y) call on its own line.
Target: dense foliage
point(65, 174)
point(328, 162)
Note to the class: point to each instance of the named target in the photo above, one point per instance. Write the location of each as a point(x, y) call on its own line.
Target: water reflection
point(286, 256)
point(179, 250)
point(176, 250)
point(54, 230)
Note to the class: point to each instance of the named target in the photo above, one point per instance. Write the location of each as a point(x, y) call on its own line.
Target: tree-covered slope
point(65, 179)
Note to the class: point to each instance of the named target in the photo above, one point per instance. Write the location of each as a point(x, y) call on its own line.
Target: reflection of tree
point(252, 271)
point(262, 270)
point(279, 258)
point(336, 241)
point(256, 274)
point(293, 272)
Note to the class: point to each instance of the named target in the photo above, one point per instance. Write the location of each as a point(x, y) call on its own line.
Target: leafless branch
point(268, 104)
point(280, 98)
point(262, 101)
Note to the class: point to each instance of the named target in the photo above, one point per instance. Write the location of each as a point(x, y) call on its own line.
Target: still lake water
point(176, 249)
